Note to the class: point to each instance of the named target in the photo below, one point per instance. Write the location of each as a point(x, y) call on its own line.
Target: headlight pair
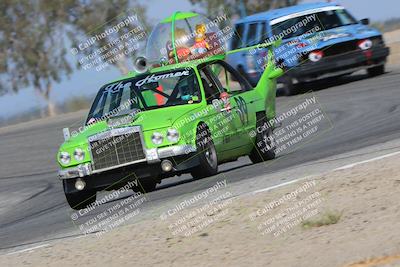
point(65, 157)
point(172, 136)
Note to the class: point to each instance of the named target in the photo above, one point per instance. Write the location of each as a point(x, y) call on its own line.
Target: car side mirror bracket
point(276, 73)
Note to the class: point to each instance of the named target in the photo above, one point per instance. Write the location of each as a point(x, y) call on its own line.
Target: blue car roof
point(280, 12)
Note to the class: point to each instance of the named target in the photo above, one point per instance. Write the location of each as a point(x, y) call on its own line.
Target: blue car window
point(251, 36)
point(237, 39)
point(325, 20)
point(264, 32)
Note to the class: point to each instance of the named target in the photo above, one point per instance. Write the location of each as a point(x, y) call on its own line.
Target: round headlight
point(157, 138)
point(365, 44)
point(173, 135)
point(315, 56)
point(79, 154)
point(65, 158)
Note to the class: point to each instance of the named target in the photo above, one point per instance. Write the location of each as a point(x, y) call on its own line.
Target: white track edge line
point(349, 166)
point(344, 167)
point(28, 249)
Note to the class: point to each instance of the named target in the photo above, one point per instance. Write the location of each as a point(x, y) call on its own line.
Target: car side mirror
point(365, 21)
point(276, 73)
point(66, 134)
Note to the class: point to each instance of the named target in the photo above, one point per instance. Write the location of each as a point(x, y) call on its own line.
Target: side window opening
point(251, 36)
point(229, 79)
point(211, 89)
point(237, 39)
point(264, 32)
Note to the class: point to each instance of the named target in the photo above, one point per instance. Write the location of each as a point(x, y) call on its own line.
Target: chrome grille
point(116, 148)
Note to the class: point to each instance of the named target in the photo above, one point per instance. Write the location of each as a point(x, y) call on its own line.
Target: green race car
point(177, 117)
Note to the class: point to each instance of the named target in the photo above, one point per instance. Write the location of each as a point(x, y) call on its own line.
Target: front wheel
point(206, 152)
point(264, 147)
point(80, 200)
point(376, 71)
point(288, 88)
point(146, 185)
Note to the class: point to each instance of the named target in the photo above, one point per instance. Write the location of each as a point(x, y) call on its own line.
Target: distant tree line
point(36, 36)
point(241, 7)
point(387, 25)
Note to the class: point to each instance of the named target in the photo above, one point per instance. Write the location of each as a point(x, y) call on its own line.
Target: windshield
point(150, 91)
point(310, 23)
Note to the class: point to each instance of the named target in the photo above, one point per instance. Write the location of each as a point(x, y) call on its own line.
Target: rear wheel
point(206, 152)
point(375, 71)
point(264, 148)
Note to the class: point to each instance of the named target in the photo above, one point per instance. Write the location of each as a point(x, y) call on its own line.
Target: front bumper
point(340, 64)
point(153, 156)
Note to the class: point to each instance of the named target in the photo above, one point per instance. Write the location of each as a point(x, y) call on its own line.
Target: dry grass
point(327, 218)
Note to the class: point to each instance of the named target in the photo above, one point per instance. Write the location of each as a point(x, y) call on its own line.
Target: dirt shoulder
point(393, 41)
point(343, 218)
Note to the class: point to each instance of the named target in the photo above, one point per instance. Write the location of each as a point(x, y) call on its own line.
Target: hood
point(163, 117)
point(321, 39)
point(345, 33)
point(148, 120)
point(339, 34)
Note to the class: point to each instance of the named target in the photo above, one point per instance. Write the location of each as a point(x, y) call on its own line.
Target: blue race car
point(318, 41)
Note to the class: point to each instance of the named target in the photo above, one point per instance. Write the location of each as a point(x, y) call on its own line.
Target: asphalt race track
point(363, 111)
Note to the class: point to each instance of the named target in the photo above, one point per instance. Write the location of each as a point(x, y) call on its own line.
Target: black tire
point(146, 185)
point(264, 148)
point(376, 71)
point(80, 200)
point(288, 87)
point(207, 154)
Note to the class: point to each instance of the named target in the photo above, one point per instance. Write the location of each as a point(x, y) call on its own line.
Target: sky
point(373, 9)
point(87, 82)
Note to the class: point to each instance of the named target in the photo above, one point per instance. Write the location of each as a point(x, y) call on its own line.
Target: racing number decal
point(242, 110)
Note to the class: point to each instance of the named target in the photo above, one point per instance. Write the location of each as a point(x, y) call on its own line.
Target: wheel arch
point(194, 130)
